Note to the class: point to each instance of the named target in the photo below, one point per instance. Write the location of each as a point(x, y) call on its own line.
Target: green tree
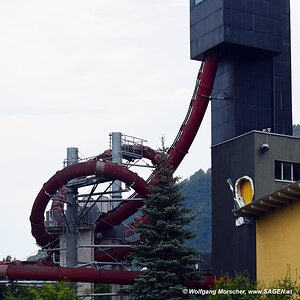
point(285, 288)
point(3, 290)
point(238, 282)
point(196, 191)
point(168, 263)
point(49, 291)
point(101, 288)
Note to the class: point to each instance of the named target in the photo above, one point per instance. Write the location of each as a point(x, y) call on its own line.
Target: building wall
point(248, 23)
point(282, 148)
point(278, 243)
point(247, 87)
point(254, 23)
point(206, 26)
point(254, 80)
point(234, 248)
point(254, 76)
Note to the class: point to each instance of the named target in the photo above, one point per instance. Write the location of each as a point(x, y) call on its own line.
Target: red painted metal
point(177, 152)
point(196, 111)
point(183, 141)
point(32, 272)
point(145, 152)
point(62, 177)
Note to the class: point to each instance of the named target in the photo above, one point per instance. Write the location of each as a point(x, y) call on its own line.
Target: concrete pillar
point(71, 215)
point(116, 158)
point(86, 255)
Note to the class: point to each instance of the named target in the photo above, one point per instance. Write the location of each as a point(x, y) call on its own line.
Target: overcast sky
point(71, 72)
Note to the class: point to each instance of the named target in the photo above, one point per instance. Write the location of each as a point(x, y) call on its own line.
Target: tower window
point(287, 171)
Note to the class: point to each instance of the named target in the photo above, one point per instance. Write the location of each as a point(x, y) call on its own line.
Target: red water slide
point(62, 177)
point(17, 271)
point(177, 152)
point(183, 140)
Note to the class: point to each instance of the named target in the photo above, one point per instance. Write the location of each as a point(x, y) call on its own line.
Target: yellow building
point(277, 233)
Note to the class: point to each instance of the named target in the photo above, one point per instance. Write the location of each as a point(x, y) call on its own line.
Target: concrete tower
point(252, 92)
point(254, 76)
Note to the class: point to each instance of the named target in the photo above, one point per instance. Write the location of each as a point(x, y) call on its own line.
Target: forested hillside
point(296, 130)
point(197, 193)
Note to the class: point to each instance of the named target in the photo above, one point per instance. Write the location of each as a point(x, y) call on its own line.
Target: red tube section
point(30, 272)
point(101, 165)
point(62, 177)
point(183, 140)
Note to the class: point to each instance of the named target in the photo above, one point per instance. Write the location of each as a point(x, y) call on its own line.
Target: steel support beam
point(71, 214)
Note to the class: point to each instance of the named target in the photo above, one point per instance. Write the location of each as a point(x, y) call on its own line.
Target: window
point(198, 1)
point(296, 172)
point(287, 171)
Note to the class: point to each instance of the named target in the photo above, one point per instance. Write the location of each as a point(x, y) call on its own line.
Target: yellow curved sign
point(244, 189)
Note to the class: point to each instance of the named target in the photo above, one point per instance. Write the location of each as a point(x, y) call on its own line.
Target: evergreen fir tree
point(168, 263)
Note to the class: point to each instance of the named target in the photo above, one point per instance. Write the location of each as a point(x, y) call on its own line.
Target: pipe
point(183, 140)
point(29, 272)
point(112, 255)
point(197, 109)
point(91, 167)
point(177, 152)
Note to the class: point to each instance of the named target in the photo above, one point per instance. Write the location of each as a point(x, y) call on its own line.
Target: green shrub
point(241, 287)
point(49, 291)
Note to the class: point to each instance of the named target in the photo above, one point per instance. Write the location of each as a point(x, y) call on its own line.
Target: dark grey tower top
point(244, 23)
point(254, 76)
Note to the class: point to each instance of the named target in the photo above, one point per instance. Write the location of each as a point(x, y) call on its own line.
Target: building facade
point(273, 162)
point(253, 84)
point(252, 94)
